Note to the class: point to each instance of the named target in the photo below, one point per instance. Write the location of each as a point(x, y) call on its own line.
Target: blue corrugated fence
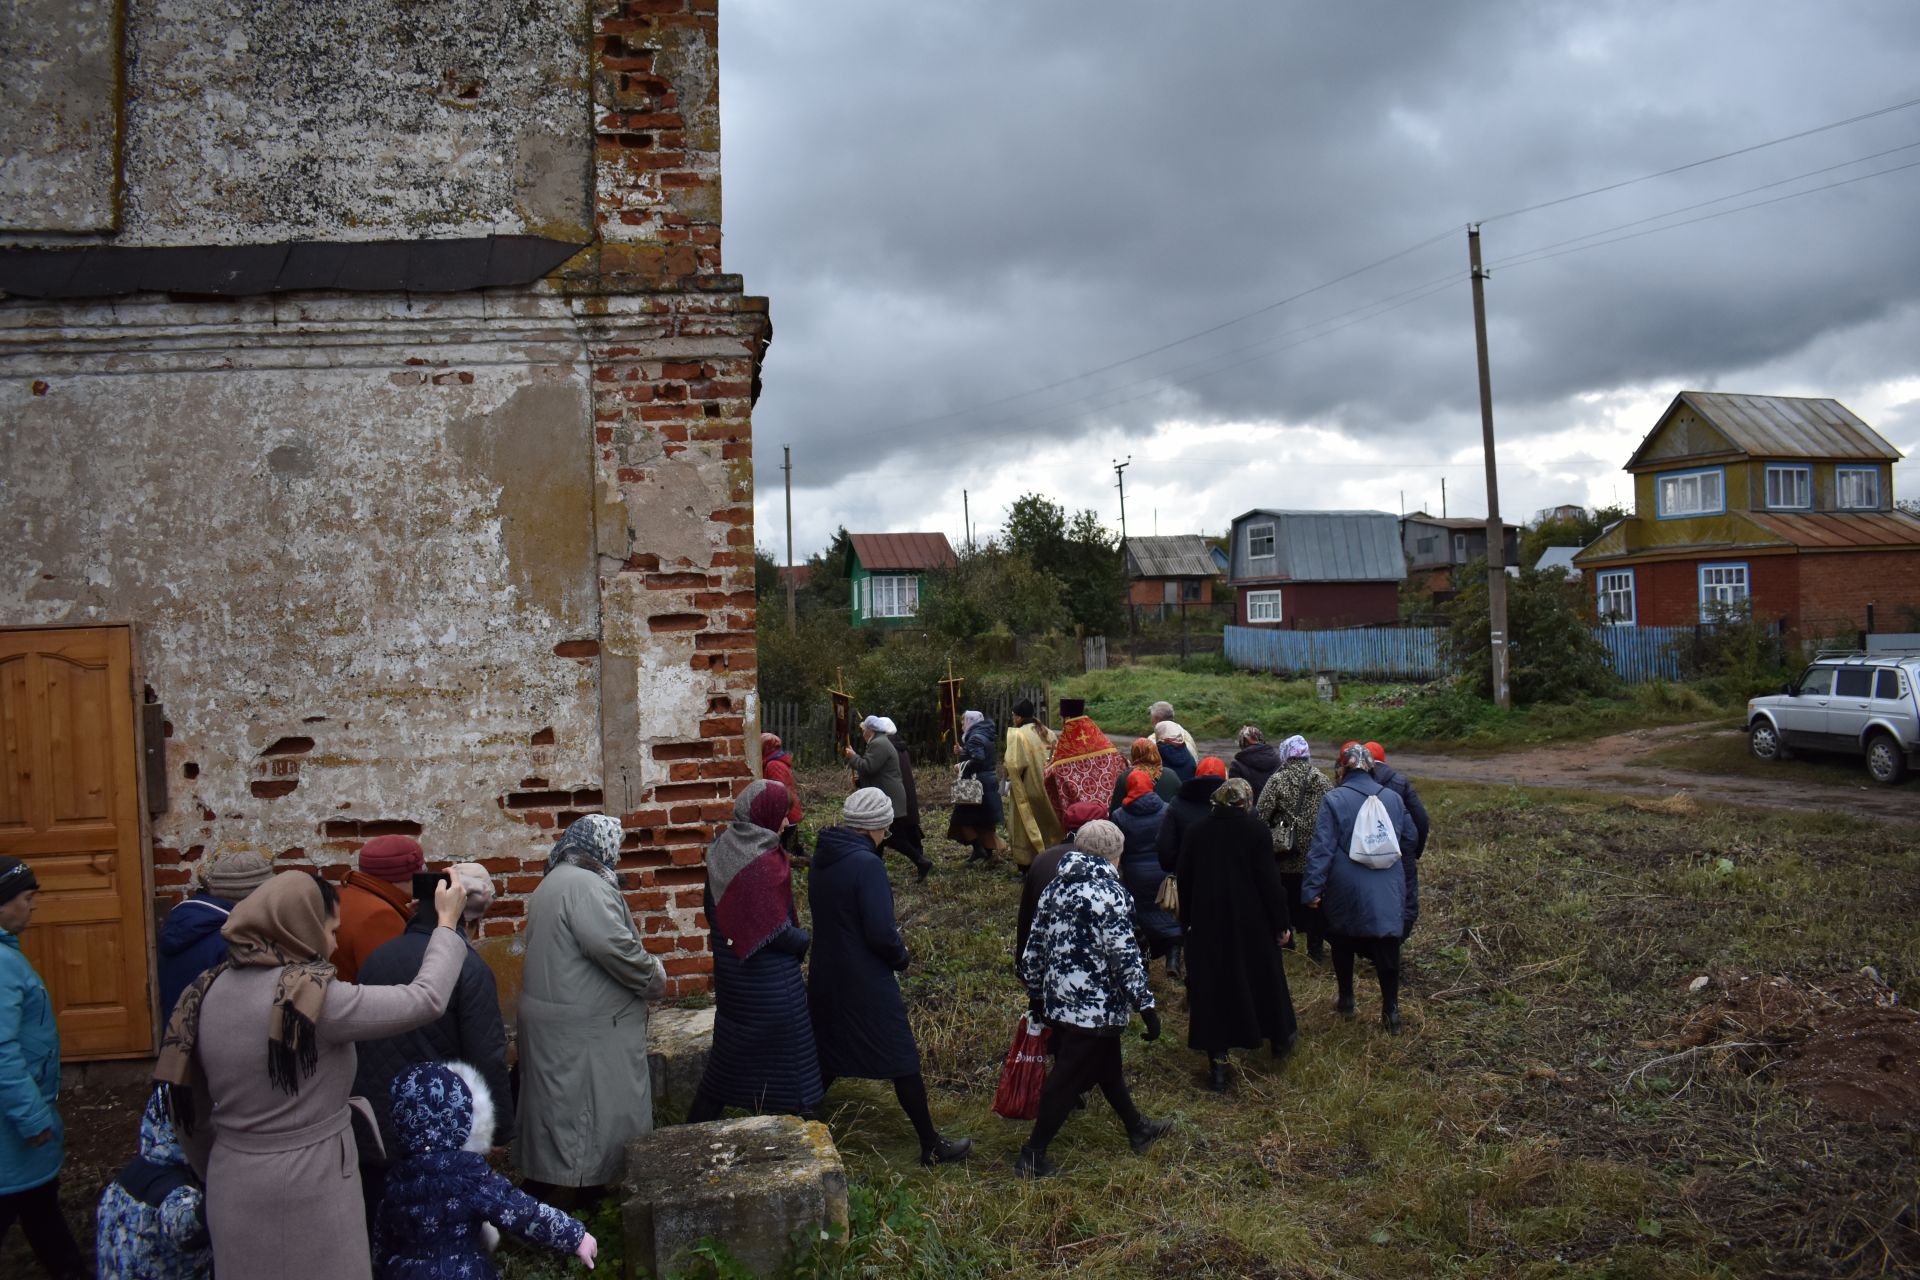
point(1640, 654)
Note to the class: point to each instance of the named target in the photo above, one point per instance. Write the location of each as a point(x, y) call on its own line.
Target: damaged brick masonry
point(370, 376)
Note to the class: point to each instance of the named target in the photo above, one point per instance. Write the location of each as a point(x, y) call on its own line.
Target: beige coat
point(283, 1175)
point(584, 1091)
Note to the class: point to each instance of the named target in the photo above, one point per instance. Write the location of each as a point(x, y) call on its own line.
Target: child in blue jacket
point(153, 1215)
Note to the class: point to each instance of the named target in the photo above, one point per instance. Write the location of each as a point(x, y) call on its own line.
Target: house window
point(1427, 546)
point(1690, 493)
point(1615, 588)
point(1260, 542)
point(895, 596)
point(1857, 487)
point(1790, 488)
point(1190, 590)
point(1263, 606)
point(1723, 590)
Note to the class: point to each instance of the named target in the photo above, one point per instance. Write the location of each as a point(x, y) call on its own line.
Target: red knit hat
point(392, 858)
point(1211, 767)
point(1378, 752)
point(1081, 813)
point(1138, 784)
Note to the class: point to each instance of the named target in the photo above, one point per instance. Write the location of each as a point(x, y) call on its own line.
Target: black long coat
point(1234, 910)
point(859, 1021)
point(1184, 811)
point(763, 1056)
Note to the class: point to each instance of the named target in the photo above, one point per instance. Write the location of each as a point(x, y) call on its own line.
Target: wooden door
point(69, 806)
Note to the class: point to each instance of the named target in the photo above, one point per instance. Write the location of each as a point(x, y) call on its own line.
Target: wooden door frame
point(136, 693)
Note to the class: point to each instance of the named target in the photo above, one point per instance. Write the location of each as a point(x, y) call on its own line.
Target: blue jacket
point(1175, 756)
point(1359, 902)
point(1140, 868)
point(979, 760)
point(860, 1023)
point(152, 1223)
point(29, 1074)
point(190, 944)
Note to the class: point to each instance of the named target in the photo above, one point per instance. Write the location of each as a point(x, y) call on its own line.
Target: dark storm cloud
point(950, 202)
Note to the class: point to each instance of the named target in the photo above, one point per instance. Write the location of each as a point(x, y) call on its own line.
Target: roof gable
point(1324, 546)
point(1699, 425)
point(1183, 555)
point(894, 552)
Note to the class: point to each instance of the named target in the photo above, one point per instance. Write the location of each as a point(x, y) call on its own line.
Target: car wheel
point(1763, 739)
point(1885, 761)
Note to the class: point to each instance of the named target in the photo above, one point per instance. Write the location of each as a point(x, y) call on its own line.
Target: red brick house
point(1780, 505)
point(1316, 570)
point(1165, 573)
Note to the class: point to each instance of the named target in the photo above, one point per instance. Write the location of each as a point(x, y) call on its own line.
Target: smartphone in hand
point(425, 882)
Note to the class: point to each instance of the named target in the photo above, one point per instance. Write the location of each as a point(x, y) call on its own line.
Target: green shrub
point(1552, 653)
point(1734, 656)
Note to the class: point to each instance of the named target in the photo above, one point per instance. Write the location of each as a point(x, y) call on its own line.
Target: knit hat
point(767, 807)
point(1100, 838)
point(1071, 707)
point(393, 858)
point(478, 883)
point(1235, 793)
point(867, 809)
point(235, 875)
point(1378, 752)
point(1211, 767)
point(1139, 783)
point(1024, 708)
point(1080, 814)
point(16, 877)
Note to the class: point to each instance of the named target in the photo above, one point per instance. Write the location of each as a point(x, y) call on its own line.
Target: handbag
point(1024, 1073)
point(967, 790)
point(1168, 899)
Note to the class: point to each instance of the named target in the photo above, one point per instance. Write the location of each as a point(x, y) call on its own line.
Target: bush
point(1552, 653)
point(1733, 657)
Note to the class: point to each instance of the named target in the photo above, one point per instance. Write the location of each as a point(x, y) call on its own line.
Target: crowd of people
point(342, 1048)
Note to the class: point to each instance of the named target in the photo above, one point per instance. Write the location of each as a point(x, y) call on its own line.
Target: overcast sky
point(955, 203)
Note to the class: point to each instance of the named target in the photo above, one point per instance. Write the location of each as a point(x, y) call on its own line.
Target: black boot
point(1032, 1163)
point(946, 1151)
point(926, 869)
point(1146, 1133)
point(1176, 961)
point(980, 854)
point(1390, 1018)
point(1343, 1003)
point(1281, 1048)
point(1217, 1078)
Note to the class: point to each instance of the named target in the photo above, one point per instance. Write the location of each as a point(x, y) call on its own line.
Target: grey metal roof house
point(1317, 569)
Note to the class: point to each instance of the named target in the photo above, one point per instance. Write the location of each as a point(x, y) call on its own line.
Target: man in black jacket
point(470, 1031)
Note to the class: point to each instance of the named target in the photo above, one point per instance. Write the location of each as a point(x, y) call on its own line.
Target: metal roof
point(240, 270)
point(1180, 555)
point(1780, 427)
point(1454, 522)
point(1842, 529)
point(881, 552)
point(1557, 558)
point(1325, 546)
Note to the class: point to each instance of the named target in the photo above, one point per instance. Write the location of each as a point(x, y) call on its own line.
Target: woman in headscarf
point(257, 1064)
point(1139, 820)
point(1144, 757)
point(776, 765)
point(1255, 760)
point(977, 825)
point(1174, 752)
point(1188, 807)
point(1290, 804)
point(1235, 915)
point(1032, 826)
point(584, 1091)
point(762, 1057)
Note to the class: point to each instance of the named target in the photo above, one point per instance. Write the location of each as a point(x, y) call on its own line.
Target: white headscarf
point(971, 718)
point(879, 724)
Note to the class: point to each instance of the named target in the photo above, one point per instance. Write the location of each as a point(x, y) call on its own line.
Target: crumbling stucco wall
point(59, 115)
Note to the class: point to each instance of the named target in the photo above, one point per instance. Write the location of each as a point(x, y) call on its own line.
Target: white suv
point(1858, 703)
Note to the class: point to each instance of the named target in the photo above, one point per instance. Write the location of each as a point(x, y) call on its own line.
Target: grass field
point(1725, 753)
point(1557, 1106)
point(1403, 716)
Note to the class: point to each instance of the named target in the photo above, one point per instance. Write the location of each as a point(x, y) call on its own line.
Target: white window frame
point(1669, 502)
point(1268, 537)
point(1613, 593)
point(1789, 488)
point(894, 595)
point(1871, 478)
point(1728, 585)
point(1263, 606)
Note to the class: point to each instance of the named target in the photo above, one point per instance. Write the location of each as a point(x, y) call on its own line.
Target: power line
point(1695, 164)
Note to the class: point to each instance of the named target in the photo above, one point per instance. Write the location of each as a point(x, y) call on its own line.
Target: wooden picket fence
point(1640, 655)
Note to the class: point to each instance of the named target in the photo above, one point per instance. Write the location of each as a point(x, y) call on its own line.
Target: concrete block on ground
point(751, 1185)
point(678, 1041)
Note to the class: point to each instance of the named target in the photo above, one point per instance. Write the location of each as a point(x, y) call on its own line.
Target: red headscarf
point(1138, 784)
point(1378, 752)
point(1211, 767)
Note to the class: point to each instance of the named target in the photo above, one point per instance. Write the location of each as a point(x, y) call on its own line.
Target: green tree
point(1552, 655)
point(1081, 554)
point(993, 588)
point(766, 574)
point(830, 573)
point(1565, 533)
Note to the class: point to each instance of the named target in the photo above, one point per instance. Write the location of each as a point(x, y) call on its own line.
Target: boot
point(1390, 1018)
point(1217, 1078)
point(1146, 1133)
point(980, 854)
point(946, 1151)
point(926, 869)
point(1176, 961)
point(1281, 1048)
point(1315, 951)
point(1343, 1003)
point(1031, 1163)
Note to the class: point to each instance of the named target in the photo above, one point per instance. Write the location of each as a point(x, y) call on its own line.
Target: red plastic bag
point(1018, 1097)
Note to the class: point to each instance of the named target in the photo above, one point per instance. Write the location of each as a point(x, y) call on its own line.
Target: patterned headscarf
point(1295, 748)
point(1249, 735)
point(281, 925)
point(763, 803)
point(1234, 793)
point(1144, 756)
point(592, 842)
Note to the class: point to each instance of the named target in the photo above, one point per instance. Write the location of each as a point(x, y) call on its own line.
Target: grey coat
point(879, 766)
point(281, 1171)
point(1359, 902)
point(584, 1090)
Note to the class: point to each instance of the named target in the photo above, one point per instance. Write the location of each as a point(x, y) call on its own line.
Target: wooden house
point(1165, 573)
point(1314, 570)
point(888, 574)
point(1777, 505)
point(1436, 546)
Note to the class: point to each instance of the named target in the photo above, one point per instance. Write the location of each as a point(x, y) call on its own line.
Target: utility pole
point(786, 465)
point(966, 517)
point(1119, 471)
point(1443, 497)
point(1496, 540)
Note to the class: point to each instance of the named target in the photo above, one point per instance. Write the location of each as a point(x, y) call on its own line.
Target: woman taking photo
point(258, 1061)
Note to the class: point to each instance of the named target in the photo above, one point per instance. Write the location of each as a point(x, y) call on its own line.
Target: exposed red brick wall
point(1667, 593)
point(1149, 591)
point(1836, 587)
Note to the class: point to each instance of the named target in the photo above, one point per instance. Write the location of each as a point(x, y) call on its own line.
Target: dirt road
point(1615, 763)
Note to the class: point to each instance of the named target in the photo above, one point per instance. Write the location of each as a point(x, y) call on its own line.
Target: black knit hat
point(1024, 708)
point(16, 877)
